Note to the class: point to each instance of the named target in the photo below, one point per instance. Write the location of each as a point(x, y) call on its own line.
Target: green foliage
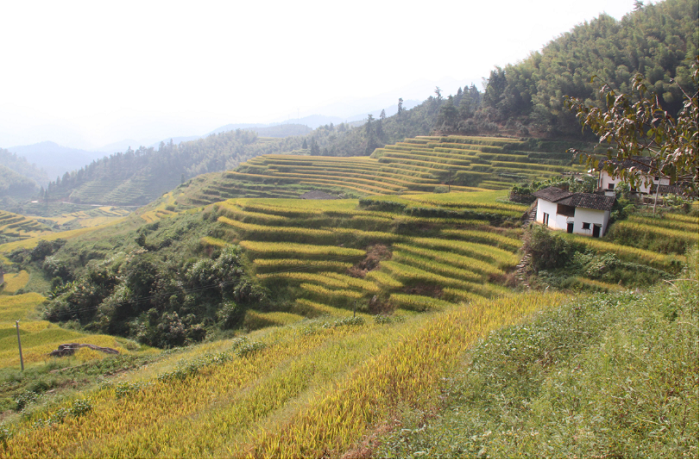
point(165, 294)
point(639, 125)
point(612, 376)
point(659, 40)
point(548, 250)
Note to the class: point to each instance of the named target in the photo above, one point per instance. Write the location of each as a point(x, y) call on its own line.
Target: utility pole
point(19, 342)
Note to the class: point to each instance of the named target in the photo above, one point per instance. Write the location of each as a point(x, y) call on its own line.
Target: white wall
point(581, 215)
point(591, 216)
point(550, 208)
point(605, 179)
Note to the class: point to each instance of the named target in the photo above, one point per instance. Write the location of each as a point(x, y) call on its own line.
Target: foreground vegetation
point(302, 391)
point(610, 376)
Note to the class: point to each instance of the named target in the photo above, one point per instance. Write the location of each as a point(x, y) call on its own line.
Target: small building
point(607, 183)
point(580, 213)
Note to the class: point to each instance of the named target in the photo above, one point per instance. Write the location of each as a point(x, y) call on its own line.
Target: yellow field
point(311, 390)
point(32, 242)
point(38, 337)
point(15, 282)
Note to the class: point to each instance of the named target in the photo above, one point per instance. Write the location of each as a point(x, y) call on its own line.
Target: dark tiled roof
point(317, 195)
point(589, 201)
point(577, 200)
point(627, 164)
point(552, 194)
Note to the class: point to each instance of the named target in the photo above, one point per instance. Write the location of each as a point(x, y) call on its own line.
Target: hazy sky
point(85, 74)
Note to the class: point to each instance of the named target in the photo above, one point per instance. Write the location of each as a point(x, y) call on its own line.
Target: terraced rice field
point(416, 165)
point(314, 249)
point(15, 226)
point(90, 218)
point(38, 337)
point(306, 390)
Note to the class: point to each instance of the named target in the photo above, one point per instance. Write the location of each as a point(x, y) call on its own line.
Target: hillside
point(138, 177)
point(53, 159)
point(14, 185)
point(422, 164)
point(658, 40)
point(21, 166)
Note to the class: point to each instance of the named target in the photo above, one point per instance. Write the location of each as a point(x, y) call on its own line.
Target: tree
point(304, 145)
point(637, 126)
point(448, 117)
point(382, 115)
point(315, 149)
point(398, 114)
point(369, 134)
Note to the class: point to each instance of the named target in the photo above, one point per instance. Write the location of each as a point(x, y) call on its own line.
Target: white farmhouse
point(581, 213)
point(607, 183)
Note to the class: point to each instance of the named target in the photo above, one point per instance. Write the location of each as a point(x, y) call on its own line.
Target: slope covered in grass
point(610, 376)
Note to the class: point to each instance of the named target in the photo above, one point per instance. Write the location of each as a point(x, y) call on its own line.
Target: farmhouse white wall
point(551, 209)
point(591, 216)
point(581, 215)
point(605, 179)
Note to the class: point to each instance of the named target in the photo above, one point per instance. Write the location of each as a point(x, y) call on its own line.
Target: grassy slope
point(611, 376)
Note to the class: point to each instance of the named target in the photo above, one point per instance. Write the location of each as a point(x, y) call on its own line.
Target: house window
point(586, 226)
point(545, 219)
point(611, 186)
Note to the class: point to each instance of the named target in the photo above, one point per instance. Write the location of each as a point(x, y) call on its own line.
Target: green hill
point(658, 40)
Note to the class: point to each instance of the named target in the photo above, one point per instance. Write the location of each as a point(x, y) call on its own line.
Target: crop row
point(288, 265)
point(449, 257)
point(286, 250)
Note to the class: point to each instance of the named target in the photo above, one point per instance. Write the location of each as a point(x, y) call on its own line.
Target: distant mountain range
point(56, 159)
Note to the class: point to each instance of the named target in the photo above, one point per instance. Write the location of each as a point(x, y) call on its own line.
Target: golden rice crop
point(383, 279)
point(20, 306)
point(276, 250)
point(436, 267)
point(32, 242)
point(502, 258)
point(15, 281)
point(305, 394)
point(625, 252)
point(407, 273)
point(689, 237)
point(599, 285)
point(311, 309)
point(262, 232)
point(667, 223)
point(330, 293)
point(211, 241)
point(231, 210)
point(364, 237)
point(459, 295)
point(468, 263)
point(306, 277)
point(682, 217)
point(258, 320)
point(367, 286)
point(278, 265)
point(419, 302)
point(485, 237)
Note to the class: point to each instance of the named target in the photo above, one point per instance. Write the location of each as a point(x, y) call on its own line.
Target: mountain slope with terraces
point(421, 164)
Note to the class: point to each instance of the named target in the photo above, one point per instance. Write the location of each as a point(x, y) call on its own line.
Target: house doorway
point(570, 227)
point(596, 231)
